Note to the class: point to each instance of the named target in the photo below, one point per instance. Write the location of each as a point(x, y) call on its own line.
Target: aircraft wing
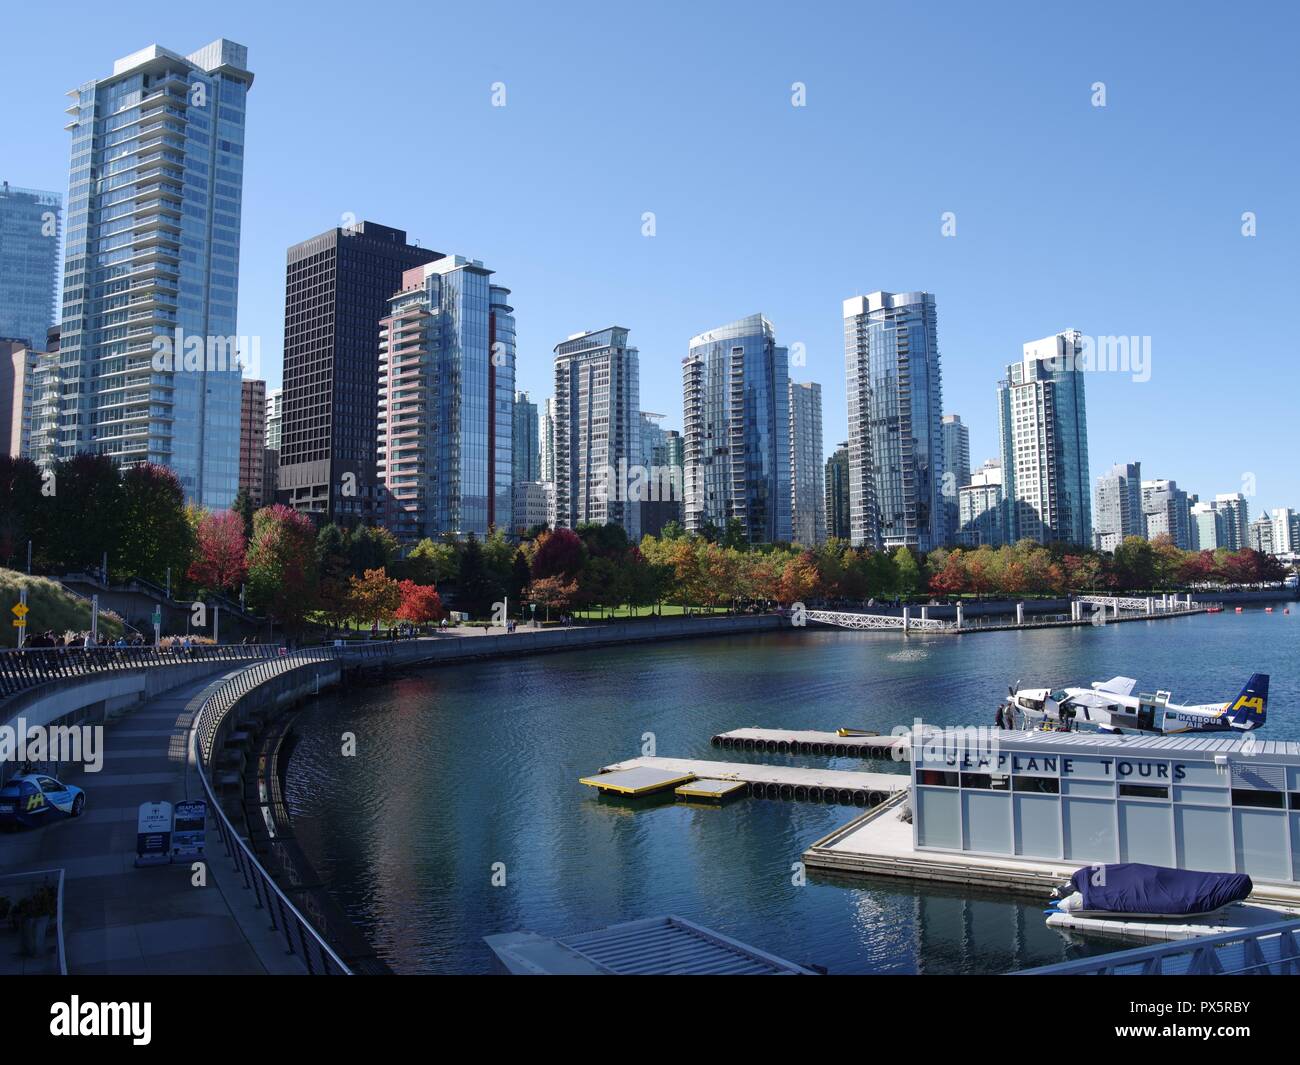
point(1116, 685)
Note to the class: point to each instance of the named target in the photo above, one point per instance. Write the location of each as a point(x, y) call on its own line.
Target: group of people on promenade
point(82, 640)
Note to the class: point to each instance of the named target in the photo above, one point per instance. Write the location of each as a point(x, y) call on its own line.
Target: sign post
point(188, 828)
point(20, 610)
point(157, 626)
point(153, 834)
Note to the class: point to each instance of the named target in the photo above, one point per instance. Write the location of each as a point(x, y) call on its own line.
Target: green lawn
point(50, 606)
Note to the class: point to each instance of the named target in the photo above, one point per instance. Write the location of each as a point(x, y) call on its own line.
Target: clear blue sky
point(1117, 220)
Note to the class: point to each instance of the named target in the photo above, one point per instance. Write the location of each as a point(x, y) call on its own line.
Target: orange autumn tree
point(553, 592)
point(374, 597)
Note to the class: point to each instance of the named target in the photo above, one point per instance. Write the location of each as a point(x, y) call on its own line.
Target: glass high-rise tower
point(1044, 430)
point(149, 359)
point(838, 524)
point(807, 472)
point(29, 262)
point(527, 460)
point(597, 430)
point(736, 393)
point(1117, 508)
point(446, 400)
point(895, 395)
point(956, 471)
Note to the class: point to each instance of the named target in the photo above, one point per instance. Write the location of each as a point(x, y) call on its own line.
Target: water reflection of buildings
point(959, 930)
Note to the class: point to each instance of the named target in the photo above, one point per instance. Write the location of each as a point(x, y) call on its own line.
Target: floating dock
point(637, 780)
point(879, 843)
point(799, 741)
point(713, 791)
point(837, 786)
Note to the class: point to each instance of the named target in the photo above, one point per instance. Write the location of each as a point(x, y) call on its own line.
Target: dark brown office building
point(337, 287)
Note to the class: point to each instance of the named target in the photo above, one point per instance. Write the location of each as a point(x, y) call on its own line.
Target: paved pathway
point(120, 919)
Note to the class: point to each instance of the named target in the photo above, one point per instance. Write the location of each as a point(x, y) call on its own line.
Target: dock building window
point(1271, 800)
point(1144, 791)
point(1040, 785)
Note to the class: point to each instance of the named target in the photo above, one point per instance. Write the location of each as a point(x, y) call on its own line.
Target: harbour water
point(460, 814)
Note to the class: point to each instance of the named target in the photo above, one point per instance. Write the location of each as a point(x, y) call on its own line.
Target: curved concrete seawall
point(455, 647)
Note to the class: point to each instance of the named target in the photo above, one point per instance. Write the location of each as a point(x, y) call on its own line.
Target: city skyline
point(1118, 398)
point(1113, 209)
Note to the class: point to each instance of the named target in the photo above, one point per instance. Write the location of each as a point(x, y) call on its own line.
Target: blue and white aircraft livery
point(1111, 706)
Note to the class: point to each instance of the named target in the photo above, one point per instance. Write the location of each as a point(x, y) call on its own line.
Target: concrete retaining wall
point(535, 641)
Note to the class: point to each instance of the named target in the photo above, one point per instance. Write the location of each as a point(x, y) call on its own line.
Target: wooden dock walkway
point(838, 786)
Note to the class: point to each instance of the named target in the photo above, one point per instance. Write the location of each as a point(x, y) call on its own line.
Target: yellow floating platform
point(640, 780)
point(711, 790)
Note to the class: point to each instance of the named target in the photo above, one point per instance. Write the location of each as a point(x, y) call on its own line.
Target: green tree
point(23, 513)
point(243, 506)
point(86, 516)
point(153, 532)
point(370, 547)
point(333, 568)
point(478, 589)
point(520, 577)
point(432, 562)
point(672, 530)
point(1134, 564)
point(499, 557)
point(734, 535)
point(282, 575)
point(882, 574)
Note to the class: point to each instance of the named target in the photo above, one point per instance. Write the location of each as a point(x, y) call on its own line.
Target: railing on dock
point(1269, 950)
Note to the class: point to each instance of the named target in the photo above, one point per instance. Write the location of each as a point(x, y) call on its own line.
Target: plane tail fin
point(1249, 709)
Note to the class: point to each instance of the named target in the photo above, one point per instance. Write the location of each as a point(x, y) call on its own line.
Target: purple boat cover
point(1129, 887)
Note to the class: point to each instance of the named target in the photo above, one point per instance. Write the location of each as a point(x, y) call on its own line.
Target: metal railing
point(1269, 950)
point(214, 705)
point(40, 878)
point(33, 666)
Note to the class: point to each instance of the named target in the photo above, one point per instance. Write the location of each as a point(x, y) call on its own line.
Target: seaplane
point(1110, 706)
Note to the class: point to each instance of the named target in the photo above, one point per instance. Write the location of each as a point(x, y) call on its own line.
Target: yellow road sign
point(21, 609)
point(20, 624)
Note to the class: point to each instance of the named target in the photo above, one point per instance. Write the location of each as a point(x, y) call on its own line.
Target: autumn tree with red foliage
point(419, 603)
point(220, 561)
point(560, 553)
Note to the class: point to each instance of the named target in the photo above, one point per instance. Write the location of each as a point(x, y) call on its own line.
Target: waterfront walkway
point(122, 920)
